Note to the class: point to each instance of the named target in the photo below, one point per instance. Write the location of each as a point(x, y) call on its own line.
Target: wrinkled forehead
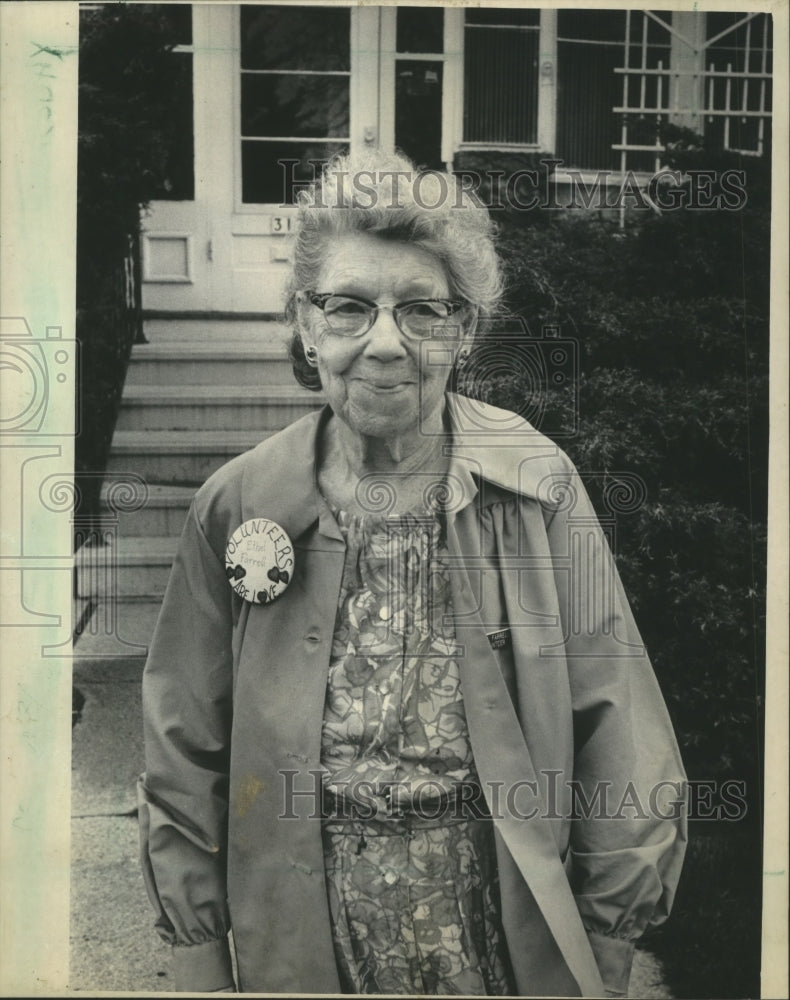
point(372, 267)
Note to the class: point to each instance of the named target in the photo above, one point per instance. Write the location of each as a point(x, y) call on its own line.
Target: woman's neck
point(404, 467)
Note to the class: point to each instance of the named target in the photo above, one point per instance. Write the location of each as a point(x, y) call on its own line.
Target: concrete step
point(163, 514)
point(209, 329)
point(238, 407)
point(233, 363)
point(115, 640)
point(81, 611)
point(130, 568)
point(181, 457)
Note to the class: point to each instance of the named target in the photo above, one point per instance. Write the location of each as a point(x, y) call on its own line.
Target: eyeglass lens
point(352, 317)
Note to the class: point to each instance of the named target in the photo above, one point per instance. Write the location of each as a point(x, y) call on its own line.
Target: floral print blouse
point(413, 900)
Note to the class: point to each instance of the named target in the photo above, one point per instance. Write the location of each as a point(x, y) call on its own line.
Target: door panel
point(184, 240)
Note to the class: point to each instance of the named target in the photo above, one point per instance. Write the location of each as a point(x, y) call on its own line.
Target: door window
point(418, 84)
point(420, 29)
point(418, 111)
point(295, 76)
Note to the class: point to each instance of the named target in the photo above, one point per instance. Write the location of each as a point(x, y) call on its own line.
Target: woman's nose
point(384, 339)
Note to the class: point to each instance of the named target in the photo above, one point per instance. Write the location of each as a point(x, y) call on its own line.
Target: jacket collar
point(489, 446)
point(497, 447)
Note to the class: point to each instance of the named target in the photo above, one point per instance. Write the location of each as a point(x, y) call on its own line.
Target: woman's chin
point(382, 425)
point(385, 415)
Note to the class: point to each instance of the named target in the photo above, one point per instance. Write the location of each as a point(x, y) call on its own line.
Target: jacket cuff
point(202, 968)
point(614, 957)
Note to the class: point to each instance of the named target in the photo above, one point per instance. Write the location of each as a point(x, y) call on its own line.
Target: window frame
point(266, 208)
point(455, 38)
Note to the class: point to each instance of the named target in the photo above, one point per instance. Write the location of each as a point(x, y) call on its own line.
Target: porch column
point(687, 55)
point(547, 82)
point(365, 85)
point(216, 88)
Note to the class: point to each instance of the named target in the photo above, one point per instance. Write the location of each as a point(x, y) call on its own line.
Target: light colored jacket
point(233, 698)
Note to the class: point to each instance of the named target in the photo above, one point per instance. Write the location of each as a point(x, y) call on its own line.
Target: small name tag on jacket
point(499, 639)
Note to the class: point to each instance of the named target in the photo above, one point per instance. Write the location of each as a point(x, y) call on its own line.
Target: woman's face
point(382, 384)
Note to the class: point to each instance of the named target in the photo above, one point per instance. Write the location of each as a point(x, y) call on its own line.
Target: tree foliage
point(671, 319)
point(129, 86)
point(128, 82)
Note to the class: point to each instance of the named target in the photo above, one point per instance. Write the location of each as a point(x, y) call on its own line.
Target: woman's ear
point(302, 312)
point(471, 317)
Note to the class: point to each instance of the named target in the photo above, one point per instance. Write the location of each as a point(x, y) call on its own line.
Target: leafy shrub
point(670, 315)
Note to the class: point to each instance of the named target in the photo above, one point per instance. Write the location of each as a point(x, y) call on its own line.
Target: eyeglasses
point(349, 316)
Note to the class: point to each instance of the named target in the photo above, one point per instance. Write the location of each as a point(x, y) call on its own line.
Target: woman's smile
point(381, 385)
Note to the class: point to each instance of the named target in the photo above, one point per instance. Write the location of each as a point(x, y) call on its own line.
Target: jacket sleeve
point(183, 795)
point(628, 832)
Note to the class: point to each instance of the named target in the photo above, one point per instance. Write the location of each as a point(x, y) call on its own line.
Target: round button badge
point(259, 560)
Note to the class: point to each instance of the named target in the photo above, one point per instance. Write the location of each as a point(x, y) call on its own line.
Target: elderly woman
point(401, 733)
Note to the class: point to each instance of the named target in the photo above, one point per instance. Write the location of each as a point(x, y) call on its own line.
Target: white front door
point(277, 90)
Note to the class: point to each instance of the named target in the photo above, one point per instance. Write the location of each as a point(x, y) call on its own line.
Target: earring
point(463, 357)
point(311, 354)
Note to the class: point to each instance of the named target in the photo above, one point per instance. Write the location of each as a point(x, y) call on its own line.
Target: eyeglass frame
point(319, 300)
